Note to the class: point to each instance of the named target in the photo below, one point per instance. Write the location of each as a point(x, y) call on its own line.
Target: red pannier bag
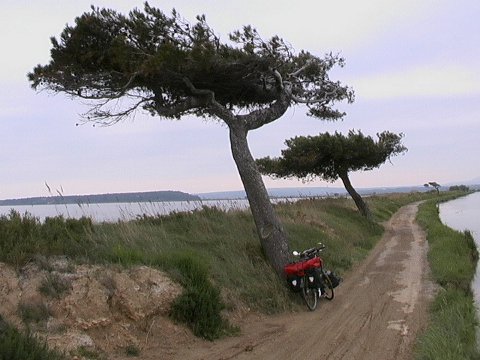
point(300, 267)
point(295, 272)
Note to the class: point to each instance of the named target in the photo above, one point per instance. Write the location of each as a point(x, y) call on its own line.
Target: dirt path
point(376, 314)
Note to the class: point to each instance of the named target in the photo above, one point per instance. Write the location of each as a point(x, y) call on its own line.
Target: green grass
point(23, 237)
point(15, 345)
point(451, 333)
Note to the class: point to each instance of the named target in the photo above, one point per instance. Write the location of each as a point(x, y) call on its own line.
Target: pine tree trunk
point(361, 205)
point(272, 236)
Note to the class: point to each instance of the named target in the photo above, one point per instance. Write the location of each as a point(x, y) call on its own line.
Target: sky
point(413, 65)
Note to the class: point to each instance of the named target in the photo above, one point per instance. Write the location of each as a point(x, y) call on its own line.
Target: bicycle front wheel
point(310, 295)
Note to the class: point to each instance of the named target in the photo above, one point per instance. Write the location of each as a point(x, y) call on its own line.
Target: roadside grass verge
point(451, 333)
point(214, 254)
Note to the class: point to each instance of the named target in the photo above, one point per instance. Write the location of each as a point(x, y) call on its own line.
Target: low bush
point(22, 237)
point(200, 304)
point(54, 286)
point(15, 345)
point(33, 311)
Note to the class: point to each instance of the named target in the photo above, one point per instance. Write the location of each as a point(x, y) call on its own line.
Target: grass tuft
point(54, 286)
point(15, 345)
point(34, 311)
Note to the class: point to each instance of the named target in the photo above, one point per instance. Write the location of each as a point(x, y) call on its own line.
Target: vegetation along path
point(377, 312)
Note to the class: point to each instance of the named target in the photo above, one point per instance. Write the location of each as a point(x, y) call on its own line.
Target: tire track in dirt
point(377, 312)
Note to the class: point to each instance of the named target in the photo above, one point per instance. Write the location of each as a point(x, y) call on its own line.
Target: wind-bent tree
point(435, 185)
point(330, 157)
point(162, 64)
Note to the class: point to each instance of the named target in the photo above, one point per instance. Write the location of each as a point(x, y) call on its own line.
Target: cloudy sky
point(414, 66)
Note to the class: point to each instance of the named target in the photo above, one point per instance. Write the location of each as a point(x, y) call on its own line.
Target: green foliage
point(463, 188)
point(18, 236)
point(166, 63)
point(87, 353)
point(132, 350)
point(451, 333)
point(200, 305)
point(34, 311)
point(334, 222)
point(54, 286)
point(448, 251)
point(14, 345)
point(22, 237)
point(332, 156)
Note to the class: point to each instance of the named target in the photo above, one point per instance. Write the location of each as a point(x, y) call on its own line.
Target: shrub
point(17, 237)
point(22, 237)
point(54, 286)
point(33, 311)
point(200, 305)
point(132, 350)
point(15, 345)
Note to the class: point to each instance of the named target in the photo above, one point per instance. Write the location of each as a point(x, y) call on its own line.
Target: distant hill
point(134, 197)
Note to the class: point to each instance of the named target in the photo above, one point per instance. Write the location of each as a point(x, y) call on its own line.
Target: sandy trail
point(377, 312)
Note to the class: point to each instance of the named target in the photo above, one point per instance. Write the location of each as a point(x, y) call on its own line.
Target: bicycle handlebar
point(311, 251)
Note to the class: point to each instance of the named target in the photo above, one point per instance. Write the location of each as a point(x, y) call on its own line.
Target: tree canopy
point(327, 156)
point(330, 157)
point(170, 67)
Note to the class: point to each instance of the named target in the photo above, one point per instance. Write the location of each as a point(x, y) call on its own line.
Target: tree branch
point(179, 108)
point(258, 118)
point(199, 92)
point(297, 72)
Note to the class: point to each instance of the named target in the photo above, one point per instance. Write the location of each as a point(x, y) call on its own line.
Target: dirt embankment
point(376, 314)
point(93, 310)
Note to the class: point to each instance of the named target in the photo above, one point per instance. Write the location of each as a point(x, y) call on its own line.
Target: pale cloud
point(433, 80)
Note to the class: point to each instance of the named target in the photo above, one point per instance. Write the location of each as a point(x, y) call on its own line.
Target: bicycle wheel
point(309, 294)
point(328, 289)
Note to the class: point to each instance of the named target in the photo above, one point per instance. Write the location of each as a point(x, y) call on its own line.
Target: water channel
point(464, 214)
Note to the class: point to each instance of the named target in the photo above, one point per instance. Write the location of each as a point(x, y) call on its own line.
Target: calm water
point(464, 214)
point(112, 212)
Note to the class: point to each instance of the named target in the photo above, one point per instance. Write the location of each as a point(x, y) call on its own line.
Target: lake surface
point(464, 214)
point(113, 212)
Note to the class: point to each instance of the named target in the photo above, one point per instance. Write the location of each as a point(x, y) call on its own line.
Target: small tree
point(330, 157)
point(163, 65)
point(435, 185)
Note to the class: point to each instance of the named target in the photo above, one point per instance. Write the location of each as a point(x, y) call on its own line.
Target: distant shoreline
point(149, 196)
point(170, 195)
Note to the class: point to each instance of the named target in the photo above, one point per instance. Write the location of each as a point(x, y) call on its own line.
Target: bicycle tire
point(309, 294)
point(328, 290)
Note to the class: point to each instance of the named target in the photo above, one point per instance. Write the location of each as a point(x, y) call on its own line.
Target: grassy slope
point(216, 249)
point(453, 258)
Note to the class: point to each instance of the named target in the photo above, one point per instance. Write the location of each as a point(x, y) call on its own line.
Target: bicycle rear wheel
point(328, 289)
point(309, 294)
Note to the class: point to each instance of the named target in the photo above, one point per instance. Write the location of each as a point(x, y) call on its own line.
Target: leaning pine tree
point(330, 157)
point(163, 65)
